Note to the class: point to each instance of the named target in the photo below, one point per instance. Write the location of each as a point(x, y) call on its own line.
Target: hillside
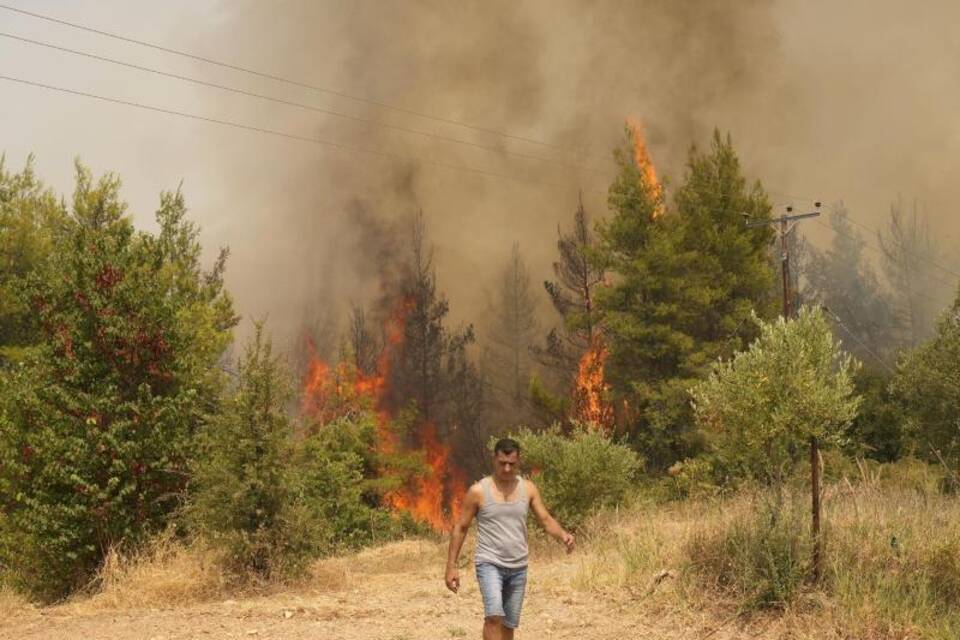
point(633, 575)
point(390, 593)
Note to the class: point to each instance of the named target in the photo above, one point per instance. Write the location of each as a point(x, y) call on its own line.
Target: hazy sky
point(854, 101)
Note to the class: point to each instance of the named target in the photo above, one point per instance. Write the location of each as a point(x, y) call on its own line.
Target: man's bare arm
point(547, 521)
point(468, 510)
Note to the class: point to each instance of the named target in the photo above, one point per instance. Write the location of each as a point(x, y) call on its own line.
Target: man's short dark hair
point(506, 446)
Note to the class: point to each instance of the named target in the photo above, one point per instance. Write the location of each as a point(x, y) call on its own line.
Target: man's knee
point(493, 628)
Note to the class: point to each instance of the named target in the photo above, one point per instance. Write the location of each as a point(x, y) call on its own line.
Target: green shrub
point(927, 387)
point(758, 556)
point(579, 474)
point(338, 474)
point(245, 498)
point(97, 422)
point(691, 478)
point(877, 432)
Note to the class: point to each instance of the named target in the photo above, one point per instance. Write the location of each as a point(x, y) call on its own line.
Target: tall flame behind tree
point(591, 402)
point(641, 158)
point(577, 277)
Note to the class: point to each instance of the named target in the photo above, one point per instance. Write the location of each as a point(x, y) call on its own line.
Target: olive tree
point(792, 387)
point(791, 384)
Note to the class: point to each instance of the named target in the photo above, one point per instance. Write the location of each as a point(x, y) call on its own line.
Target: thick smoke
point(822, 101)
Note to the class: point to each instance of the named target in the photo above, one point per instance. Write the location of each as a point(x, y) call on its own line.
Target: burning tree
point(429, 371)
point(572, 296)
point(591, 394)
point(416, 388)
point(645, 166)
point(684, 284)
point(580, 350)
point(592, 403)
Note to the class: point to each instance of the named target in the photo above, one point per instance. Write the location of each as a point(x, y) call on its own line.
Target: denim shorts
point(502, 591)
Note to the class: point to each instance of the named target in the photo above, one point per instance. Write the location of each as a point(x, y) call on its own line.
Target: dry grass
point(340, 573)
point(170, 574)
point(396, 557)
point(641, 549)
point(13, 605)
point(892, 548)
point(166, 574)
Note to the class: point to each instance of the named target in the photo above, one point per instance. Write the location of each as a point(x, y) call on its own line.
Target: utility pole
point(786, 224)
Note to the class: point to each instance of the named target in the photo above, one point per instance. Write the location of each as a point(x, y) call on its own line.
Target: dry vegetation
point(690, 569)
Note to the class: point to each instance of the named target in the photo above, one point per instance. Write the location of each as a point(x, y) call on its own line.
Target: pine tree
point(429, 370)
point(908, 248)
point(512, 328)
point(684, 285)
point(572, 296)
point(734, 273)
point(417, 373)
point(841, 279)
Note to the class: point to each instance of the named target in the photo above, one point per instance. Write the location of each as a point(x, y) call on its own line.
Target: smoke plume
point(823, 101)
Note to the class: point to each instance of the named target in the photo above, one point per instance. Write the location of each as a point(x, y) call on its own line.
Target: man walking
point(500, 503)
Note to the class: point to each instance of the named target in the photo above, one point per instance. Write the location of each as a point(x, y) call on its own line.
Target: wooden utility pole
point(787, 223)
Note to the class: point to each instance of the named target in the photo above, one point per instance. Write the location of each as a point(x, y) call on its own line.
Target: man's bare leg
point(493, 629)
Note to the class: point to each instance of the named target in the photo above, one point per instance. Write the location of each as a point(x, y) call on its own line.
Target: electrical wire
point(292, 103)
point(863, 344)
point(283, 134)
point(290, 81)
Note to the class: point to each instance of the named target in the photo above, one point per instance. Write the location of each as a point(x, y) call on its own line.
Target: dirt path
point(391, 594)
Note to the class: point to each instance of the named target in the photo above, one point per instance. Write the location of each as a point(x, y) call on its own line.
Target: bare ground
point(396, 593)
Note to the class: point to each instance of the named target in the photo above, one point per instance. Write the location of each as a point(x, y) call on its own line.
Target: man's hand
point(453, 579)
point(568, 541)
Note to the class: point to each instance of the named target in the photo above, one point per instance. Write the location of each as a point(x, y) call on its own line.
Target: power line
point(863, 344)
point(289, 81)
point(292, 103)
point(282, 134)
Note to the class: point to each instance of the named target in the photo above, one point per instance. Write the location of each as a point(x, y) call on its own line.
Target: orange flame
point(425, 498)
point(329, 394)
point(641, 158)
point(590, 402)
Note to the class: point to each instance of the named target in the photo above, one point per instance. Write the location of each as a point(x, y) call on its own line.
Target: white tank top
point(502, 528)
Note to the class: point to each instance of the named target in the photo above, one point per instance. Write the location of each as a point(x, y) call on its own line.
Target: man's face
point(505, 465)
